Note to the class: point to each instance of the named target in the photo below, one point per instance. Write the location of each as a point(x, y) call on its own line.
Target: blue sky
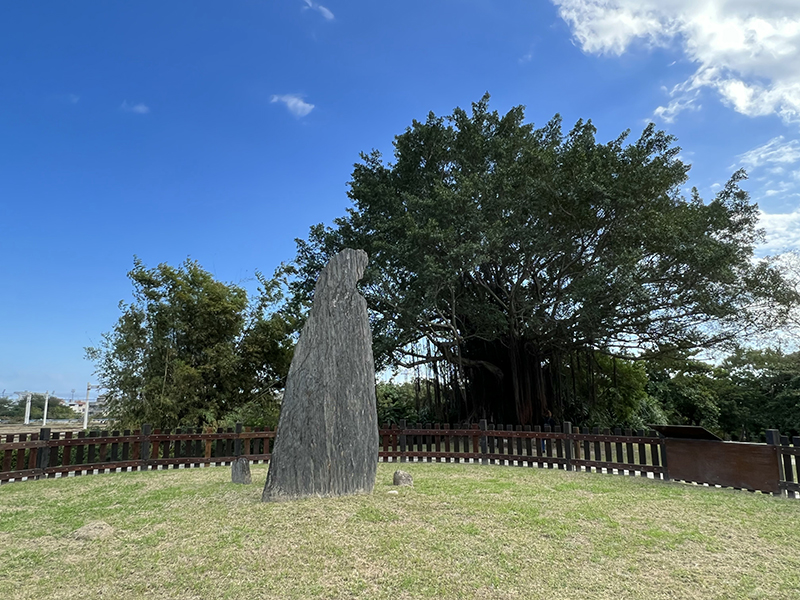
point(221, 131)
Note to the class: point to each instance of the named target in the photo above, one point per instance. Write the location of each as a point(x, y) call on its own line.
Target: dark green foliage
point(749, 392)
point(759, 390)
point(261, 411)
point(7, 407)
point(190, 350)
point(397, 401)
point(500, 255)
point(689, 396)
point(606, 391)
point(15, 409)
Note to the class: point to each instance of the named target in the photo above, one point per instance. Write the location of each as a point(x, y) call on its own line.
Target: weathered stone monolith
point(327, 438)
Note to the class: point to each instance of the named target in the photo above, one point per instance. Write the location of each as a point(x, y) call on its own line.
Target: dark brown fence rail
point(773, 467)
point(50, 453)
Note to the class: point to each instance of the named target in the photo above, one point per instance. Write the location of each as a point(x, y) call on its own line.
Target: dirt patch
point(94, 531)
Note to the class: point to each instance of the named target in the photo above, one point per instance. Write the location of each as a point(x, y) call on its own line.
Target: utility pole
point(28, 409)
point(44, 415)
point(86, 407)
point(89, 386)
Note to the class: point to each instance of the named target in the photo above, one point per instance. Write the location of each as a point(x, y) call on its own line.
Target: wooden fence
point(50, 453)
point(772, 467)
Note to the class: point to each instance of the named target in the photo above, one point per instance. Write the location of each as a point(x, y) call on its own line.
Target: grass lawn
point(462, 531)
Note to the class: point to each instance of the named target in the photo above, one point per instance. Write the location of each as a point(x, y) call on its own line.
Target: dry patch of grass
point(462, 531)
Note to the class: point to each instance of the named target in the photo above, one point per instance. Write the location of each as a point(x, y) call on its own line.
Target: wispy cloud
point(139, 109)
point(777, 168)
point(777, 152)
point(73, 98)
point(747, 52)
point(677, 106)
point(295, 103)
point(527, 57)
point(320, 9)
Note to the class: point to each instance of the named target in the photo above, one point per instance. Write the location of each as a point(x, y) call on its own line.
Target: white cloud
point(782, 231)
point(774, 152)
point(778, 164)
point(295, 103)
point(139, 109)
point(748, 52)
point(320, 9)
point(677, 106)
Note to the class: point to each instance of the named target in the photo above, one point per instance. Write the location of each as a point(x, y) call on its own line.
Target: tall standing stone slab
point(327, 438)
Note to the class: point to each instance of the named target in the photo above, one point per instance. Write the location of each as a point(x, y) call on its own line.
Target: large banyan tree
point(510, 260)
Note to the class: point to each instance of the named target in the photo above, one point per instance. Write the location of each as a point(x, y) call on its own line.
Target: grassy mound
point(462, 531)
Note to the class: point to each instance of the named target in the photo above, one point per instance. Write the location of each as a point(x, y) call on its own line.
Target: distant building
point(98, 407)
point(77, 406)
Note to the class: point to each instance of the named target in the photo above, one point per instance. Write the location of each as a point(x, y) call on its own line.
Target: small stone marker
point(240, 471)
point(327, 438)
point(402, 478)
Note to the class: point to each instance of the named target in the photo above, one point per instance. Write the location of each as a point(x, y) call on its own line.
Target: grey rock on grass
point(402, 478)
point(240, 471)
point(327, 438)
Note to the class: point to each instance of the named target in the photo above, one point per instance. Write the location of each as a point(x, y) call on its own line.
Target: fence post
point(484, 445)
point(43, 457)
point(568, 441)
point(662, 444)
point(774, 439)
point(788, 475)
point(402, 440)
point(144, 453)
point(237, 444)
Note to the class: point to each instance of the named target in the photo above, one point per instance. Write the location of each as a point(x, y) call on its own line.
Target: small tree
point(189, 350)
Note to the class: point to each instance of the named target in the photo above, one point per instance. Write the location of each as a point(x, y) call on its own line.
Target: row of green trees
point(741, 396)
point(517, 271)
point(14, 409)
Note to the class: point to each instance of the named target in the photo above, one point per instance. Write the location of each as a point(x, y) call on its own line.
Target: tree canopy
point(190, 350)
point(509, 260)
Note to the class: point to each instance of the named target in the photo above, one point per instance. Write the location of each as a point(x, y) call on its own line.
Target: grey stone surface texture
point(402, 478)
point(240, 471)
point(327, 438)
